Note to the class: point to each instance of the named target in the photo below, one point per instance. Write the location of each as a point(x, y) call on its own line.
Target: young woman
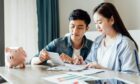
point(115, 49)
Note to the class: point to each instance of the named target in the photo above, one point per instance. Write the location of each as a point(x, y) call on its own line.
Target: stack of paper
point(67, 79)
point(68, 67)
point(89, 71)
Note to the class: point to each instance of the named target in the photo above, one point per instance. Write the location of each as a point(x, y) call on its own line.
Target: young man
point(73, 48)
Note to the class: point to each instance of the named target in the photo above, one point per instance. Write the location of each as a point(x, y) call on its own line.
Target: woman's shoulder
point(127, 42)
point(97, 41)
point(99, 38)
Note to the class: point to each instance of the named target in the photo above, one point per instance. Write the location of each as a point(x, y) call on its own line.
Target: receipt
point(55, 58)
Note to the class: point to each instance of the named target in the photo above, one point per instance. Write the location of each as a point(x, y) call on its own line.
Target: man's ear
point(87, 28)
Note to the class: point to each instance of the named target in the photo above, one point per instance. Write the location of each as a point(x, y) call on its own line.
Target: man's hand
point(43, 56)
point(66, 58)
point(78, 60)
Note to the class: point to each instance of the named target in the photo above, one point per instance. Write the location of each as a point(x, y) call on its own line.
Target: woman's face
point(77, 29)
point(103, 24)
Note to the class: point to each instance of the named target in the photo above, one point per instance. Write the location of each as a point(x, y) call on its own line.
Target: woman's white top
point(104, 53)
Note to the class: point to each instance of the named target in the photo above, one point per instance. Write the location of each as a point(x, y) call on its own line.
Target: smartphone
point(2, 80)
point(106, 81)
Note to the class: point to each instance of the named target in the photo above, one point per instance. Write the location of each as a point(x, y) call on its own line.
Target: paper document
point(55, 58)
point(89, 71)
point(69, 67)
point(67, 79)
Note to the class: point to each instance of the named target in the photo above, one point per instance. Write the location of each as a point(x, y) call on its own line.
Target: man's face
point(77, 29)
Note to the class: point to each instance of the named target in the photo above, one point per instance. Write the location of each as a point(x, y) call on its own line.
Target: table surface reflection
point(34, 74)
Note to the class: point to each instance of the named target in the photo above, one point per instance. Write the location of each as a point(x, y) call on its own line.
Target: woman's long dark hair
point(108, 10)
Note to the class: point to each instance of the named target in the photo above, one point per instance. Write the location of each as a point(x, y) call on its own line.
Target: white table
point(35, 74)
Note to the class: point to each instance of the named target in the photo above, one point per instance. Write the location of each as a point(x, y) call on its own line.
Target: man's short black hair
point(80, 14)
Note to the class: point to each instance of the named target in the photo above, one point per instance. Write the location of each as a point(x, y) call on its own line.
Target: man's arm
point(43, 56)
point(40, 58)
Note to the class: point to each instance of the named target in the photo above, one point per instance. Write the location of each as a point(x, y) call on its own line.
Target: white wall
point(21, 25)
point(129, 12)
point(66, 7)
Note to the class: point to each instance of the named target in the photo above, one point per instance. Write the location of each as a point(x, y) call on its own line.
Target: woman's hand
point(43, 56)
point(95, 65)
point(66, 58)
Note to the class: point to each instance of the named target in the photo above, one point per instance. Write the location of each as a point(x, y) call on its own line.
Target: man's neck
point(77, 44)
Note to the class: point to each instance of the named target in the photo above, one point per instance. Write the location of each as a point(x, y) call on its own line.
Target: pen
point(99, 72)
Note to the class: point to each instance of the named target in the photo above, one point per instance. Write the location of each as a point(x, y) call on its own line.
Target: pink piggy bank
point(15, 57)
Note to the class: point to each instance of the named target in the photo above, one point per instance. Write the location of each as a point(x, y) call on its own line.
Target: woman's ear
point(112, 20)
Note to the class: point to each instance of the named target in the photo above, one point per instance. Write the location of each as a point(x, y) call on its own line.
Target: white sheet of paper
point(67, 79)
point(68, 67)
point(89, 71)
point(55, 58)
